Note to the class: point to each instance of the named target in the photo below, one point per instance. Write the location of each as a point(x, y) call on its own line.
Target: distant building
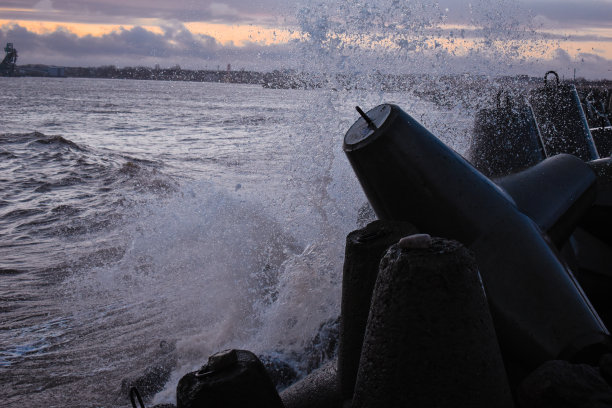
point(8, 64)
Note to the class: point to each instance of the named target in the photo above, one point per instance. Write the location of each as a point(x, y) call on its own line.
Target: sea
point(150, 224)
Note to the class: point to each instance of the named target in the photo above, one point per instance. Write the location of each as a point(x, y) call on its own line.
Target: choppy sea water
point(152, 223)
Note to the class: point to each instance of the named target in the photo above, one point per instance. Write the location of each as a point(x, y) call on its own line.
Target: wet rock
point(284, 369)
point(559, 384)
point(323, 347)
point(280, 371)
point(365, 215)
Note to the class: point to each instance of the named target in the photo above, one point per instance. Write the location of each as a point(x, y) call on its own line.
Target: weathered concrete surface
point(320, 389)
point(559, 384)
point(364, 249)
point(605, 368)
point(429, 339)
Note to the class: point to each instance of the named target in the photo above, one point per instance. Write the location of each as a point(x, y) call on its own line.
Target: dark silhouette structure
point(7, 67)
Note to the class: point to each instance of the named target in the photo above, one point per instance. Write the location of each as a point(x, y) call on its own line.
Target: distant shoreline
point(285, 79)
point(445, 91)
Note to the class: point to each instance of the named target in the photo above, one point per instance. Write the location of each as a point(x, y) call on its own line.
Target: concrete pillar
point(430, 340)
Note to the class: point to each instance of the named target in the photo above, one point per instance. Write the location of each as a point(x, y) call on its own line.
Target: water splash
point(390, 36)
point(207, 270)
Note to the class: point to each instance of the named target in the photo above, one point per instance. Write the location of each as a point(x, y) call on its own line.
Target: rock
point(365, 215)
point(560, 384)
point(280, 371)
point(323, 346)
point(285, 368)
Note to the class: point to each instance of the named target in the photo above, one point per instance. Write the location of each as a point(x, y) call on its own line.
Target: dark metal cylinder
point(364, 249)
point(430, 341)
point(562, 122)
point(408, 174)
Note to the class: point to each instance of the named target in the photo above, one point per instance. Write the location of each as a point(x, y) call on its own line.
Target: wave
point(61, 195)
point(58, 141)
point(38, 138)
point(10, 271)
point(48, 162)
point(107, 112)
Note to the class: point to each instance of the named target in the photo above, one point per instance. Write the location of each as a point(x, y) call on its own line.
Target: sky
point(476, 36)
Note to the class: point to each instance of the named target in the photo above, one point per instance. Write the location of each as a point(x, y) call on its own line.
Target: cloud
point(139, 46)
point(505, 13)
point(587, 65)
point(44, 5)
point(573, 14)
point(121, 11)
point(566, 13)
point(562, 57)
point(135, 42)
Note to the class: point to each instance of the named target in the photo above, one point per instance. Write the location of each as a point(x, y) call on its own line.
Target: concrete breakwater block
point(317, 390)
point(560, 384)
point(429, 340)
point(605, 368)
point(230, 379)
point(364, 249)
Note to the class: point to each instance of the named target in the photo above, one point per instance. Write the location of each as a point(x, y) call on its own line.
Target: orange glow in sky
point(80, 29)
point(238, 34)
point(241, 34)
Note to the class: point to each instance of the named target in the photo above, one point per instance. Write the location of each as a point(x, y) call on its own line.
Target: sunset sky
point(532, 35)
